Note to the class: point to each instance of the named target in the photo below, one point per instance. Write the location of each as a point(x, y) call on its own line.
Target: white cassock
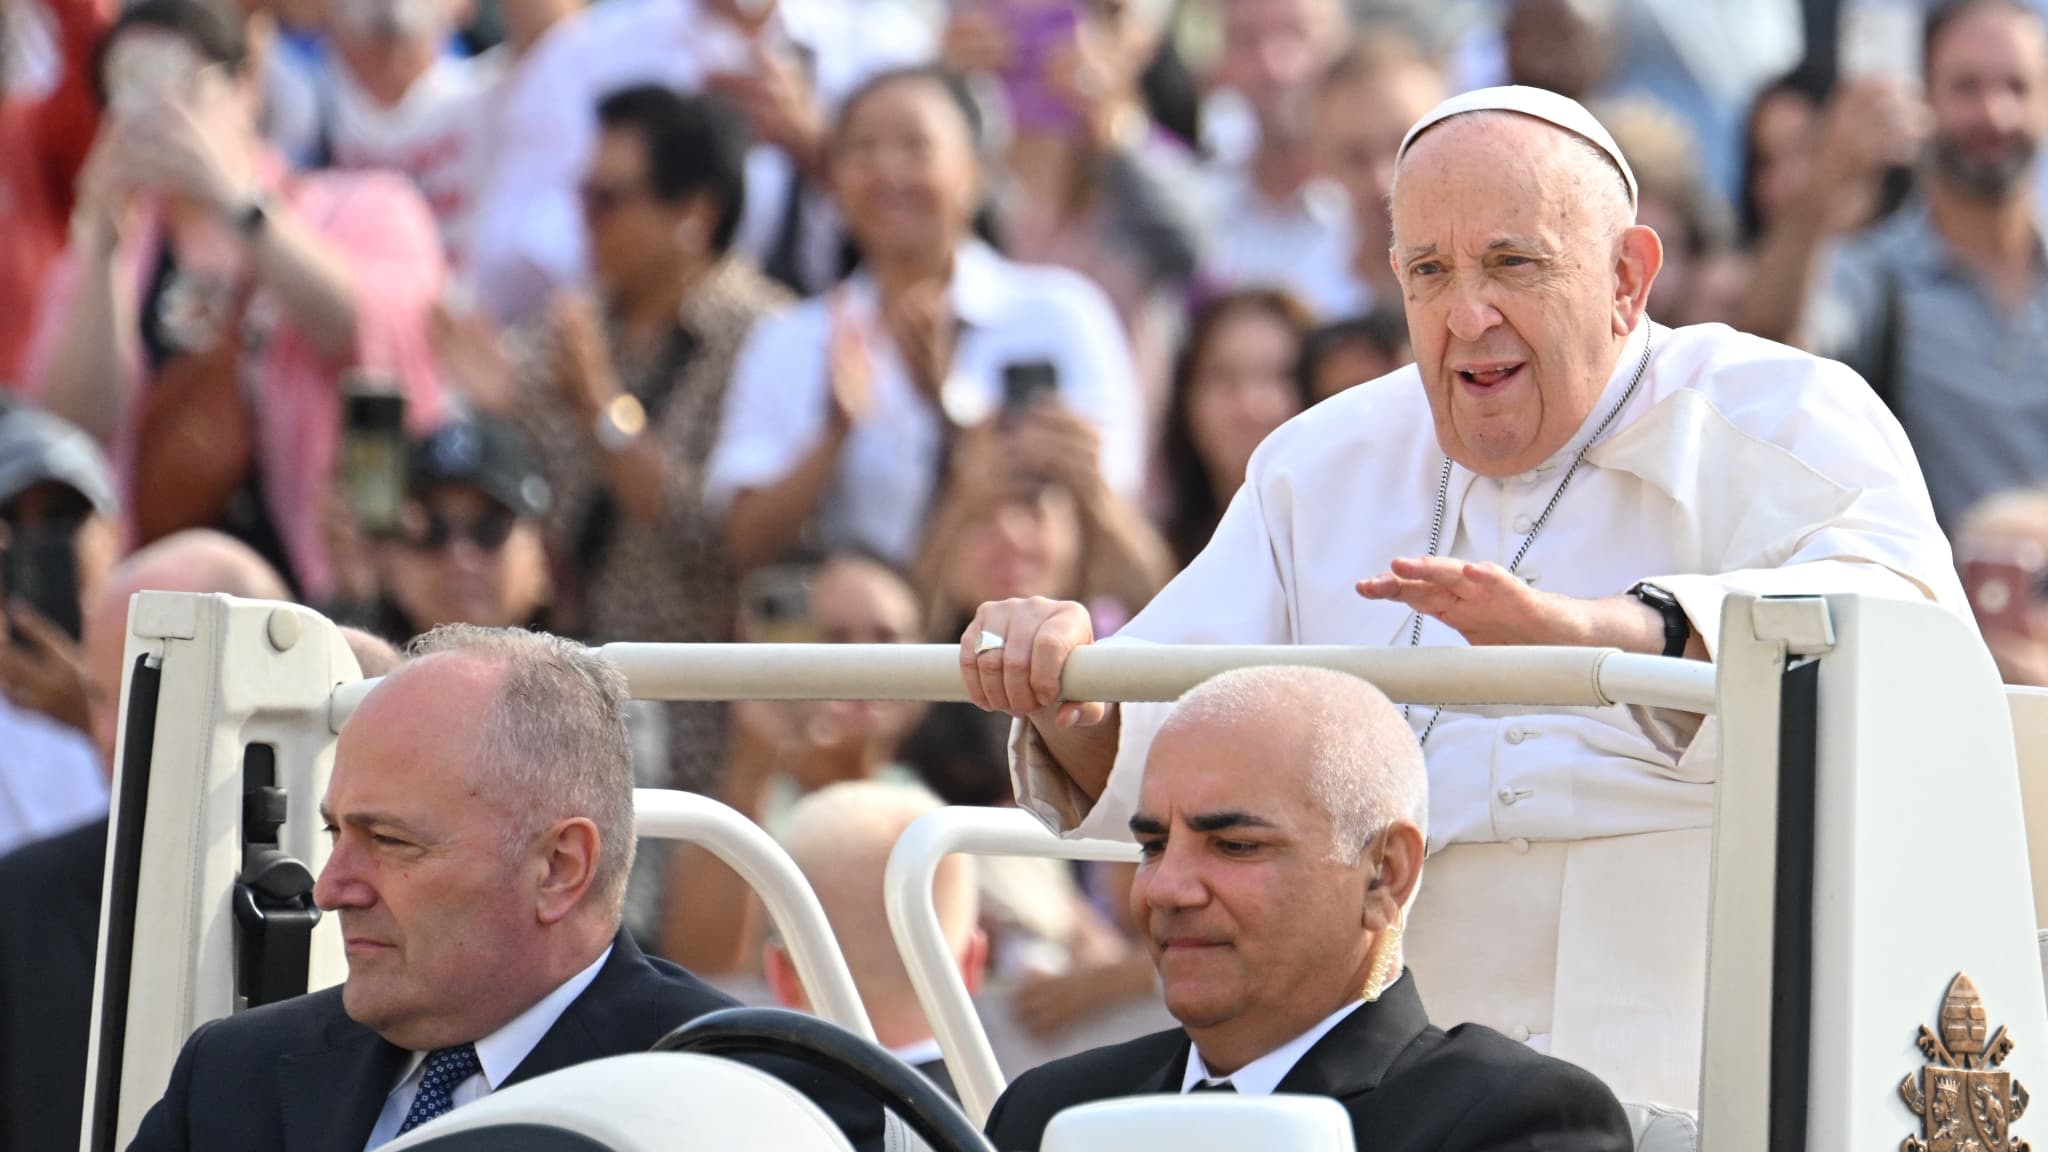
point(1565, 900)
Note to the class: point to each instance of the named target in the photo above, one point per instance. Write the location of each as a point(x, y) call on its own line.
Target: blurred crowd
point(828, 320)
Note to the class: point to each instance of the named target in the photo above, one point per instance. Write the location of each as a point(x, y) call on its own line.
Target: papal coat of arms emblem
point(1964, 1104)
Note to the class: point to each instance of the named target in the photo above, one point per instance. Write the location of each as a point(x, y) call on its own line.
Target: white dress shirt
point(1259, 242)
point(430, 135)
point(776, 409)
point(500, 1054)
point(1262, 1077)
point(1739, 465)
point(50, 777)
point(1329, 285)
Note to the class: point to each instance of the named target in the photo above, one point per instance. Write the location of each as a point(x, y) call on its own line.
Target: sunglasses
point(600, 201)
point(433, 532)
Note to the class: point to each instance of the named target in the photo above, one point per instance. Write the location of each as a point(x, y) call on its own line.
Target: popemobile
point(1874, 967)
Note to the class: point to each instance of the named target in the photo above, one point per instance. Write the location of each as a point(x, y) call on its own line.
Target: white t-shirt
point(430, 136)
point(777, 407)
point(50, 778)
point(1263, 243)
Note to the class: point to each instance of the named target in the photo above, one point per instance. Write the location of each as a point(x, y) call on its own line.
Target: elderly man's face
point(1249, 920)
point(437, 913)
point(1520, 284)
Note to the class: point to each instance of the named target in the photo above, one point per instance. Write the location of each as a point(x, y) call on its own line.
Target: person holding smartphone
point(466, 548)
point(1087, 181)
point(843, 409)
point(2002, 553)
point(211, 300)
point(57, 543)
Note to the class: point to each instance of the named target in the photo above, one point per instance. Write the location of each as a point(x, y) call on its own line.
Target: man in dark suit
point(840, 838)
point(1273, 901)
point(481, 808)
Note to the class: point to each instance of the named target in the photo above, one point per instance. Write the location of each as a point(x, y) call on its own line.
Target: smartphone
point(41, 570)
point(776, 601)
point(1879, 39)
point(373, 451)
point(1036, 29)
point(2004, 588)
point(1028, 382)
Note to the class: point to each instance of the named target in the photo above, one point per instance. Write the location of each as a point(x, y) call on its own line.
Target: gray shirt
point(1967, 378)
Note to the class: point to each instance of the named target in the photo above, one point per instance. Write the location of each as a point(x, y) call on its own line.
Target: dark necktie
point(445, 1068)
point(1213, 1086)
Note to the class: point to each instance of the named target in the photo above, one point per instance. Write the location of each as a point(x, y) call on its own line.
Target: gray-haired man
point(1281, 828)
point(482, 813)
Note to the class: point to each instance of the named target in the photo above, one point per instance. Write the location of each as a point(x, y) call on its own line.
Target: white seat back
point(1213, 1122)
point(649, 1102)
point(914, 921)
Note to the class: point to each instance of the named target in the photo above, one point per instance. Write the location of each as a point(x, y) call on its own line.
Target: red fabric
point(44, 141)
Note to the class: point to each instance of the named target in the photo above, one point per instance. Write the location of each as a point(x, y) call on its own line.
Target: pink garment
point(376, 223)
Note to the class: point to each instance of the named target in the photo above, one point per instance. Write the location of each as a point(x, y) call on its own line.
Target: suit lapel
point(1167, 1078)
point(574, 1037)
point(331, 1096)
point(1356, 1055)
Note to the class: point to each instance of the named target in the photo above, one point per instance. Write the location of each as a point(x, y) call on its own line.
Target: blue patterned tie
point(445, 1068)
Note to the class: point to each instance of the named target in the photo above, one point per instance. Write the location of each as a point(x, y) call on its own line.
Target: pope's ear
point(1637, 260)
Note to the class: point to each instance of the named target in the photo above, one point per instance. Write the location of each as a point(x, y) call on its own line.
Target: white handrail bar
point(798, 917)
point(914, 922)
point(1533, 676)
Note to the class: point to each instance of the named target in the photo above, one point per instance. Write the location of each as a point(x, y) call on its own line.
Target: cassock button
point(1517, 735)
point(1523, 523)
point(1507, 795)
point(1519, 844)
point(1520, 1032)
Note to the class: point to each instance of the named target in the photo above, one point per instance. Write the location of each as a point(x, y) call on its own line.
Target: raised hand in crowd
point(42, 669)
point(851, 373)
point(106, 191)
point(171, 151)
point(748, 16)
point(974, 41)
point(1870, 124)
point(1084, 72)
point(921, 323)
point(471, 353)
point(580, 355)
point(777, 99)
point(1051, 440)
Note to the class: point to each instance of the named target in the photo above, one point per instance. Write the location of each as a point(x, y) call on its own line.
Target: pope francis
point(1556, 468)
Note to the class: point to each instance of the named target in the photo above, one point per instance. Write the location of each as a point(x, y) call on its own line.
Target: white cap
point(1544, 105)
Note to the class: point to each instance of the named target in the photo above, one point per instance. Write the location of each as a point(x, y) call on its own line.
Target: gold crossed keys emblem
point(1963, 1104)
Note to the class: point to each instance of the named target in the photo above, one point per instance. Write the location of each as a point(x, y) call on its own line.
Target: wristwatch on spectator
point(1677, 628)
point(252, 218)
point(620, 423)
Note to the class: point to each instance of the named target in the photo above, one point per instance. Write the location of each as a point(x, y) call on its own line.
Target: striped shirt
point(1967, 377)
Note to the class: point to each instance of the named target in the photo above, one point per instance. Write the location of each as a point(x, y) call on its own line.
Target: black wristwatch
point(1677, 628)
point(252, 219)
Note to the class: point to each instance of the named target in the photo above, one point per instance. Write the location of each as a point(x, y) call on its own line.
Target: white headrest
point(1562, 111)
point(651, 1101)
point(1211, 1122)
